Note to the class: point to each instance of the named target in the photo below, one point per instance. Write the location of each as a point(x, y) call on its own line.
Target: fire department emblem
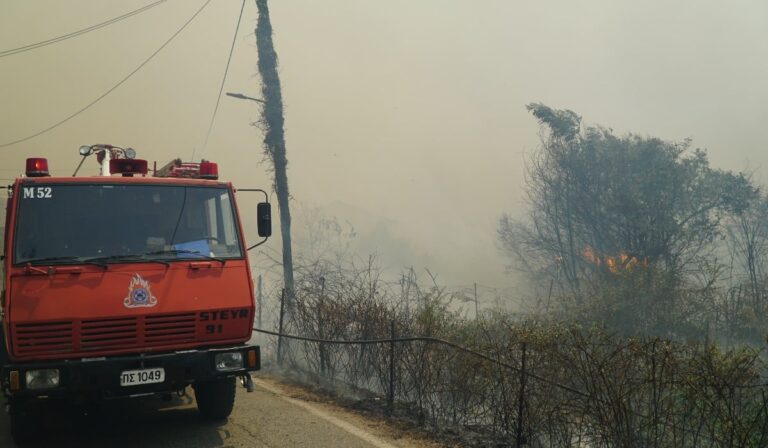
point(139, 294)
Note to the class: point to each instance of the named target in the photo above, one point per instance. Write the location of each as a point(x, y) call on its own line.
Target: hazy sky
point(411, 111)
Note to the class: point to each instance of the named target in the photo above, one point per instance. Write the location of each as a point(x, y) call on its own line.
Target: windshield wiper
point(80, 260)
point(126, 257)
point(186, 251)
point(49, 259)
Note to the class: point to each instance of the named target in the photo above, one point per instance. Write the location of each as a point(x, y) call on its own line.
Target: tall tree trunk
point(274, 137)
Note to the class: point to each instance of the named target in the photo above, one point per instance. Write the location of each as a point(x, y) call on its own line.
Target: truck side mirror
point(264, 219)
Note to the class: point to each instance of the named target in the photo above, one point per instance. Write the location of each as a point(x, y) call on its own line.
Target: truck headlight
point(42, 379)
point(229, 361)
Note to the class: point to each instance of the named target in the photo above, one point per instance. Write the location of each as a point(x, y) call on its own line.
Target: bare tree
point(742, 302)
point(748, 232)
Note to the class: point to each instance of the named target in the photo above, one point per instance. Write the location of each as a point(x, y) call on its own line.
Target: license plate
point(142, 376)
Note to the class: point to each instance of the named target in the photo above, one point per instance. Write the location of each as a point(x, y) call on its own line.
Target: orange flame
point(614, 264)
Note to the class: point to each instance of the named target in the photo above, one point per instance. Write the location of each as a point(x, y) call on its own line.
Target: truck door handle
point(200, 265)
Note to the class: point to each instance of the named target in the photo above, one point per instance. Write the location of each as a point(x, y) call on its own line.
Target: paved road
point(268, 417)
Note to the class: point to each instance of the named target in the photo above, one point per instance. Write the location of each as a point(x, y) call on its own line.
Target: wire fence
point(393, 340)
point(517, 383)
point(521, 370)
point(520, 439)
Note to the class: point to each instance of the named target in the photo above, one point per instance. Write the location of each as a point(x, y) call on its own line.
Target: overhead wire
point(113, 88)
point(223, 79)
point(54, 40)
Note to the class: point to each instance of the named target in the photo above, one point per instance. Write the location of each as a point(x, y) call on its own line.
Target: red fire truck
point(132, 283)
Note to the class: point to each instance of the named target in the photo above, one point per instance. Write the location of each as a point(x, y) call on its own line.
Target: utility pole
point(272, 121)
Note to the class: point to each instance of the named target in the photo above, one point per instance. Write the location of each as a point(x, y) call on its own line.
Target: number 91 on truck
point(129, 283)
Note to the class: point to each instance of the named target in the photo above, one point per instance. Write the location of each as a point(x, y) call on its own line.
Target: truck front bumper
point(91, 378)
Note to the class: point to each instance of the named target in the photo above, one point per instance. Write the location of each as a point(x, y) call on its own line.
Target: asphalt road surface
point(274, 415)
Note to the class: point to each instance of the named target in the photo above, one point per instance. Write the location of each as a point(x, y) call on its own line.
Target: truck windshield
point(71, 223)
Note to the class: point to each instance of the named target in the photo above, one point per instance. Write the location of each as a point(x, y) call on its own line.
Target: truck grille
point(56, 338)
point(108, 333)
point(169, 328)
point(43, 338)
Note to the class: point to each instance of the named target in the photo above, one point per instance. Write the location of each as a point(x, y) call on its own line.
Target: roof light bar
point(209, 170)
point(37, 167)
point(190, 170)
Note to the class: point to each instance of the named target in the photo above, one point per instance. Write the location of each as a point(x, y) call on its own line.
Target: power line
point(64, 37)
point(88, 106)
point(224, 78)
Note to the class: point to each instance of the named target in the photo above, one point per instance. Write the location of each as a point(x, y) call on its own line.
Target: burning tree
point(602, 203)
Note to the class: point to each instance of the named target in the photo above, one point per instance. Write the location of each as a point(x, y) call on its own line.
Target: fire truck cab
point(132, 283)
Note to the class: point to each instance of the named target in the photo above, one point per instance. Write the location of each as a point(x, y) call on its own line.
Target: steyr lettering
point(223, 314)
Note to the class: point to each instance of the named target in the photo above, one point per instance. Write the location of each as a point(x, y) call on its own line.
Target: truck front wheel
point(216, 398)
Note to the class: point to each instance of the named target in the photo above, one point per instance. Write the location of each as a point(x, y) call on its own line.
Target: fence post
point(521, 402)
point(320, 309)
point(280, 331)
point(259, 300)
point(391, 398)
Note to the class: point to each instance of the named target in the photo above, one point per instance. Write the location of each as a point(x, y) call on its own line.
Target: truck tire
point(25, 422)
point(216, 398)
